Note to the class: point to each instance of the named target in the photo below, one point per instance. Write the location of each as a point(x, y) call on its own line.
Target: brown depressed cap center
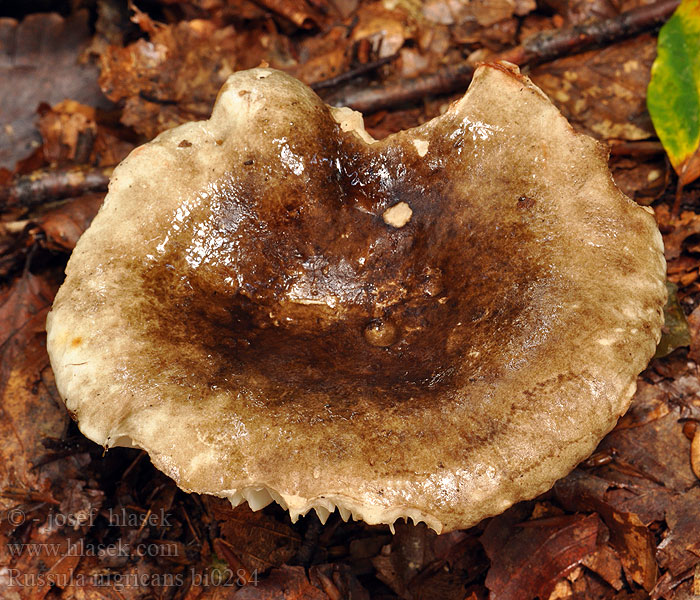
point(435, 325)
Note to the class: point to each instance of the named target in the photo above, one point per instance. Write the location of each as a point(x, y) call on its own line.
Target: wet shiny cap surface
point(434, 325)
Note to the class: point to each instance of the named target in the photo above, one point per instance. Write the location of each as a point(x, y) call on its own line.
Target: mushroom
point(432, 326)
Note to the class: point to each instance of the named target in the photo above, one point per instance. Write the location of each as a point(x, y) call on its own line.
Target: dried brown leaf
point(40, 62)
point(258, 540)
point(603, 92)
point(30, 411)
point(63, 225)
point(296, 11)
point(656, 451)
point(695, 454)
point(536, 554)
point(57, 229)
point(338, 581)
point(576, 12)
point(606, 564)
point(642, 180)
point(694, 325)
point(420, 564)
point(174, 75)
point(30, 414)
point(412, 548)
point(485, 13)
point(634, 544)
point(649, 405)
point(327, 55)
point(385, 29)
point(290, 583)
point(171, 78)
point(677, 552)
point(71, 133)
point(629, 536)
point(68, 131)
point(648, 502)
point(138, 580)
point(677, 231)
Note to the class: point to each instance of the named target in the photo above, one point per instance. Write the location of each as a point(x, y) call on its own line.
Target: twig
point(352, 73)
point(542, 47)
point(46, 185)
point(404, 91)
point(676, 210)
point(643, 149)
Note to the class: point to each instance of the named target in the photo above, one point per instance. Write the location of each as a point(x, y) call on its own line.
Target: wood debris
point(81, 90)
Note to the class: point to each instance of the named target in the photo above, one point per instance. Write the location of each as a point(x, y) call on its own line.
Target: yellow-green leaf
point(673, 96)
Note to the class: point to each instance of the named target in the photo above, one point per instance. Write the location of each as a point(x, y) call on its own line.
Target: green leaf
point(673, 95)
point(675, 332)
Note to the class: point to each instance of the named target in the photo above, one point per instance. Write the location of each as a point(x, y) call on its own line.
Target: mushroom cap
point(431, 326)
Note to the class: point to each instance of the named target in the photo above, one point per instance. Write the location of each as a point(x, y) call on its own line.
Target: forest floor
point(83, 82)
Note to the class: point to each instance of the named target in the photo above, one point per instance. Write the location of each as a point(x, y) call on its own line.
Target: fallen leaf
point(39, 62)
point(56, 229)
point(603, 91)
point(288, 583)
point(328, 55)
point(494, 38)
point(296, 11)
point(673, 97)
point(649, 502)
point(678, 231)
point(675, 552)
point(672, 587)
point(338, 581)
point(172, 77)
point(656, 451)
point(30, 411)
point(649, 405)
point(634, 544)
point(630, 538)
point(582, 583)
point(410, 551)
point(258, 540)
point(576, 12)
point(695, 453)
point(68, 131)
point(421, 564)
point(694, 326)
point(385, 29)
point(606, 564)
point(485, 13)
point(642, 180)
point(73, 133)
point(528, 560)
point(64, 224)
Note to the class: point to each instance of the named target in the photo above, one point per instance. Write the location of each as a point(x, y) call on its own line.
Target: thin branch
point(542, 47)
point(352, 73)
point(48, 185)
point(639, 149)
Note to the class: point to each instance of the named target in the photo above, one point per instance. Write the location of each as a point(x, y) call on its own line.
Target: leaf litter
point(78, 523)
